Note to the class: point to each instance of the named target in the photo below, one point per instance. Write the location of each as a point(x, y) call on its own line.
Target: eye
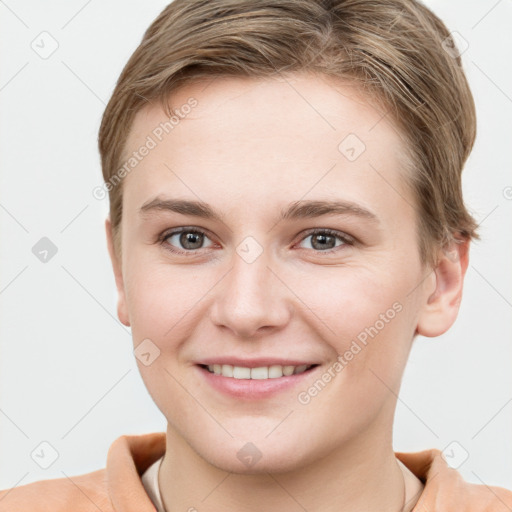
point(324, 240)
point(187, 239)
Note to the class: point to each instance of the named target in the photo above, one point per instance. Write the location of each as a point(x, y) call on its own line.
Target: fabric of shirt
point(150, 483)
point(118, 487)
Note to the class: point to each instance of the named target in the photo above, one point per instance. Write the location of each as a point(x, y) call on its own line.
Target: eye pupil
point(323, 244)
point(191, 237)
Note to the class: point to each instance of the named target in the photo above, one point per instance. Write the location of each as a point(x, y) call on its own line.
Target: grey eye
point(187, 239)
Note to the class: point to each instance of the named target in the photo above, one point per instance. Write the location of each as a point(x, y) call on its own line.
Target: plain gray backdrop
point(67, 371)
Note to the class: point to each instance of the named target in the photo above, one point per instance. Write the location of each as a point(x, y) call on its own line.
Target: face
point(302, 251)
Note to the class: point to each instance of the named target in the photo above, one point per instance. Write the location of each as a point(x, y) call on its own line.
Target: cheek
point(348, 300)
point(160, 298)
point(366, 318)
point(162, 304)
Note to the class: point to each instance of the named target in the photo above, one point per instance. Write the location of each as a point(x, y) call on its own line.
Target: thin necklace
point(405, 488)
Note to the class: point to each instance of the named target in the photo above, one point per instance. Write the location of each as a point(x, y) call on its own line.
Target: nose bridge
point(251, 296)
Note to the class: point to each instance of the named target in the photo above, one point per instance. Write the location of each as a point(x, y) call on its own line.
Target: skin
point(249, 148)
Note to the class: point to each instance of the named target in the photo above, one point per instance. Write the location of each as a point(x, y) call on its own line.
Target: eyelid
point(183, 229)
point(344, 237)
point(347, 240)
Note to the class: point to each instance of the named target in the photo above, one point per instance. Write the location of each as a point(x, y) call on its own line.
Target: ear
point(122, 311)
point(441, 305)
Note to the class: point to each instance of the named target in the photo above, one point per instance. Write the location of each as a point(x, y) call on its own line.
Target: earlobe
point(441, 306)
point(122, 311)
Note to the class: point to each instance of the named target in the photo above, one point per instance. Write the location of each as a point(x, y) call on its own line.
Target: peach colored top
point(119, 487)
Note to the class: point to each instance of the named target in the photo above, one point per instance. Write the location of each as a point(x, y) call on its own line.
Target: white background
point(67, 372)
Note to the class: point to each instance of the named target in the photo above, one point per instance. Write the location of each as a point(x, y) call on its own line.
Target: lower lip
point(254, 388)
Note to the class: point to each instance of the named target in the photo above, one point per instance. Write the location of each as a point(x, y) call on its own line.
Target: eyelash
point(346, 239)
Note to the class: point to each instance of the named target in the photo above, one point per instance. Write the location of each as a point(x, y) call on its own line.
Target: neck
point(359, 476)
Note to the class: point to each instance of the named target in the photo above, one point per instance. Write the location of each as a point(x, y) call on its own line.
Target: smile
point(260, 373)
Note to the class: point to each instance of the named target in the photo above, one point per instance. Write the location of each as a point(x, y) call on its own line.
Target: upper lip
point(254, 362)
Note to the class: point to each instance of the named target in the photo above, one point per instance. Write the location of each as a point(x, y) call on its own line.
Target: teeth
point(239, 372)
point(300, 369)
point(263, 372)
point(225, 369)
point(288, 370)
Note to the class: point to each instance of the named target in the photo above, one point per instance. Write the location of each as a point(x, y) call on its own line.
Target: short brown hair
point(396, 51)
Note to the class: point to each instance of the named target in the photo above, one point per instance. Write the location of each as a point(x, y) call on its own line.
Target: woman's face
point(257, 282)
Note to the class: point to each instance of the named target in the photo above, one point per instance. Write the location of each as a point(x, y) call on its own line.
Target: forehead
point(264, 138)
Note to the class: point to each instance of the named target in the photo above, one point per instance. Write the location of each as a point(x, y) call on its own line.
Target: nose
point(251, 299)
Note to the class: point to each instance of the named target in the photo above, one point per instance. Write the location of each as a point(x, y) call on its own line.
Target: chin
point(271, 463)
point(260, 456)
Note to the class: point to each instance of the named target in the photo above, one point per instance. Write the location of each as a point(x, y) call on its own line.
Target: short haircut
point(397, 52)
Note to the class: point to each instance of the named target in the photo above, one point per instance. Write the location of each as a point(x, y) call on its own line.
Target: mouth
point(255, 382)
point(259, 373)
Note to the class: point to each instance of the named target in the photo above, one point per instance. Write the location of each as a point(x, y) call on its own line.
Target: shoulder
point(445, 490)
point(82, 493)
point(118, 483)
point(488, 498)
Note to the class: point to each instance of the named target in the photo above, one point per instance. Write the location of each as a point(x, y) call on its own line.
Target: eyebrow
point(297, 210)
